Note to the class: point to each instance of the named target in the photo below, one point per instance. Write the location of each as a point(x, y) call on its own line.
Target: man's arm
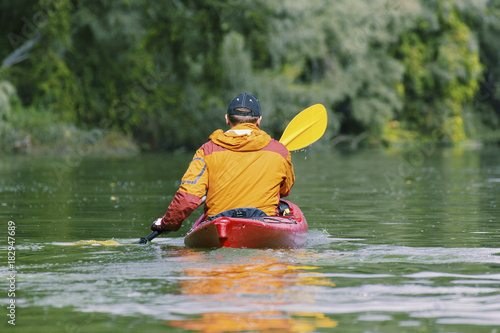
point(190, 194)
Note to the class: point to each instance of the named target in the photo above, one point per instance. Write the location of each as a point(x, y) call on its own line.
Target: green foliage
point(8, 100)
point(163, 72)
point(485, 114)
point(442, 74)
point(41, 132)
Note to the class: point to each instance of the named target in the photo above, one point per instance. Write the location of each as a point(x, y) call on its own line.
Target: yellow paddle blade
point(306, 128)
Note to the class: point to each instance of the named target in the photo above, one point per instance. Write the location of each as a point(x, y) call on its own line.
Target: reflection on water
point(266, 278)
point(274, 283)
point(263, 321)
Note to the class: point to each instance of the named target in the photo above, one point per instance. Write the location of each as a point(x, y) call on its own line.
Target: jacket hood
point(243, 137)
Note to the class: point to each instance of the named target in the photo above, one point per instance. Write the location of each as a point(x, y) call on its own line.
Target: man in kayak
point(242, 167)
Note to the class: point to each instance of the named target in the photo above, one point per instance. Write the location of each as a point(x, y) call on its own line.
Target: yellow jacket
point(242, 167)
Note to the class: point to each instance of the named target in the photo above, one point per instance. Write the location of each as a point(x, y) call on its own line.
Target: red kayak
point(288, 231)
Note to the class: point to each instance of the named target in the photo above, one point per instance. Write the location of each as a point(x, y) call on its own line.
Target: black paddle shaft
point(148, 238)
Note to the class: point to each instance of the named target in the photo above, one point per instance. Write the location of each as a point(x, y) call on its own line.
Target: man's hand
point(156, 226)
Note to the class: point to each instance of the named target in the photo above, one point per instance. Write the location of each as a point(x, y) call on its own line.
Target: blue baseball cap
point(245, 101)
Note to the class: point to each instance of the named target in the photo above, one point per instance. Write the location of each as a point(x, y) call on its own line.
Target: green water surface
point(398, 242)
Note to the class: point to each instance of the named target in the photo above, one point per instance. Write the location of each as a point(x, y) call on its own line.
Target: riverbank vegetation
point(159, 75)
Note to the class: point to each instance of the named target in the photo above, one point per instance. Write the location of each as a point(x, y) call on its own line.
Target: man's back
point(246, 170)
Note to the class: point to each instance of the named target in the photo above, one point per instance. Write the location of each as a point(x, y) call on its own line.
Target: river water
point(398, 242)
